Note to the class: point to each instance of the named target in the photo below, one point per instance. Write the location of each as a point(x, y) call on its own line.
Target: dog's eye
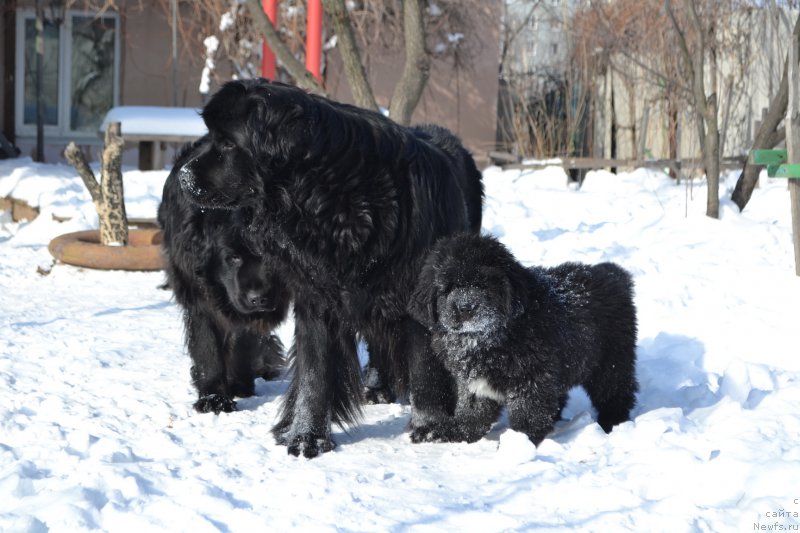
point(227, 145)
point(234, 259)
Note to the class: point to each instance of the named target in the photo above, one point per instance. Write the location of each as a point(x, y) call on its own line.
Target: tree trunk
point(672, 133)
point(793, 142)
point(296, 69)
point(711, 156)
point(351, 58)
point(767, 136)
point(704, 107)
point(417, 67)
point(108, 195)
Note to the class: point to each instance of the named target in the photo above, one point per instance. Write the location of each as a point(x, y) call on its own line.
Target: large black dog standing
point(232, 299)
point(524, 337)
point(349, 202)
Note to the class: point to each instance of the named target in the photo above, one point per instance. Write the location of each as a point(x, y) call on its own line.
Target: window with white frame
point(80, 80)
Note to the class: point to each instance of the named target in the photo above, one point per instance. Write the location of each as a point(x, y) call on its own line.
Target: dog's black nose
point(464, 309)
point(257, 300)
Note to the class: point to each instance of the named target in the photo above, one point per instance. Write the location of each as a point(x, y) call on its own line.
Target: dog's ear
point(422, 303)
point(278, 121)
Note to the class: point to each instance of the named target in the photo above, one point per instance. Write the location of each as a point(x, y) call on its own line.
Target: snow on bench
point(152, 126)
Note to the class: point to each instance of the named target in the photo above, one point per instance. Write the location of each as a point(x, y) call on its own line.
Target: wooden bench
point(152, 127)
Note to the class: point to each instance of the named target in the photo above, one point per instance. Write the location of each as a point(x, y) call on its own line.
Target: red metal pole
point(267, 55)
point(314, 38)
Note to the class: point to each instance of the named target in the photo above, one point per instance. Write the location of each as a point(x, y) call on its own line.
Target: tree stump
point(108, 194)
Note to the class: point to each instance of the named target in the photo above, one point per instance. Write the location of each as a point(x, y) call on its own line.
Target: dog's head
point(247, 285)
point(470, 285)
point(255, 128)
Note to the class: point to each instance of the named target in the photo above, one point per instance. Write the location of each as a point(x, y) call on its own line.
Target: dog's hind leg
point(251, 355)
point(270, 360)
point(612, 389)
point(612, 384)
point(240, 348)
point(385, 376)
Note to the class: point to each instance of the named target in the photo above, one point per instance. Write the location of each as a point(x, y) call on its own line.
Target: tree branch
point(303, 77)
point(351, 58)
point(75, 157)
point(687, 57)
point(663, 78)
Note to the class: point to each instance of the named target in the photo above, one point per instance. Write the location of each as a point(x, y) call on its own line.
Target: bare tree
point(705, 102)
point(706, 46)
point(359, 30)
point(767, 136)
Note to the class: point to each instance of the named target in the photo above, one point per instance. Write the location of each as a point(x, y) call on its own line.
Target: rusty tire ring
point(83, 248)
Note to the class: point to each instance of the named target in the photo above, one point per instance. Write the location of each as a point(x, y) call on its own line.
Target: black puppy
point(232, 298)
point(524, 337)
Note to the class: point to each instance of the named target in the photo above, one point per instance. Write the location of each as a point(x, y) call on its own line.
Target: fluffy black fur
point(232, 299)
point(349, 202)
point(524, 337)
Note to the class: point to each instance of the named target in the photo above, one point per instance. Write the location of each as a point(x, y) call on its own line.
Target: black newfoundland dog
point(232, 299)
point(349, 202)
point(524, 337)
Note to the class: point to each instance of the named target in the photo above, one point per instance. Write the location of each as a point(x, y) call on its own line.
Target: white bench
point(152, 127)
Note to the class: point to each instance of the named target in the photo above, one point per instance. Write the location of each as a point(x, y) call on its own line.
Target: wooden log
point(107, 195)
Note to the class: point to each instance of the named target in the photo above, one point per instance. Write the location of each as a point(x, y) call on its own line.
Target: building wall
point(742, 98)
point(464, 101)
point(146, 76)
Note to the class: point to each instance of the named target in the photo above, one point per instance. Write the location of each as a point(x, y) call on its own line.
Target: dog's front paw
point(309, 445)
point(215, 403)
point(435, 432)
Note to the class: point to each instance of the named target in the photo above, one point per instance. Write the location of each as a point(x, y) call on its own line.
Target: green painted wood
point(787, 171)
point(768, 157)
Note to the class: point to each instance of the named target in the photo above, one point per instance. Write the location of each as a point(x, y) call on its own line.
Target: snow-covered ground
point(97, 429)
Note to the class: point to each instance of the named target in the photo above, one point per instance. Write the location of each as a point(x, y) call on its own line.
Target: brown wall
point(147, 60)
point(462, 100)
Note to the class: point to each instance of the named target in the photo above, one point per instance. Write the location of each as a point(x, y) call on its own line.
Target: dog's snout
point(257, 300)
point(185, 176)
point(463, 307)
